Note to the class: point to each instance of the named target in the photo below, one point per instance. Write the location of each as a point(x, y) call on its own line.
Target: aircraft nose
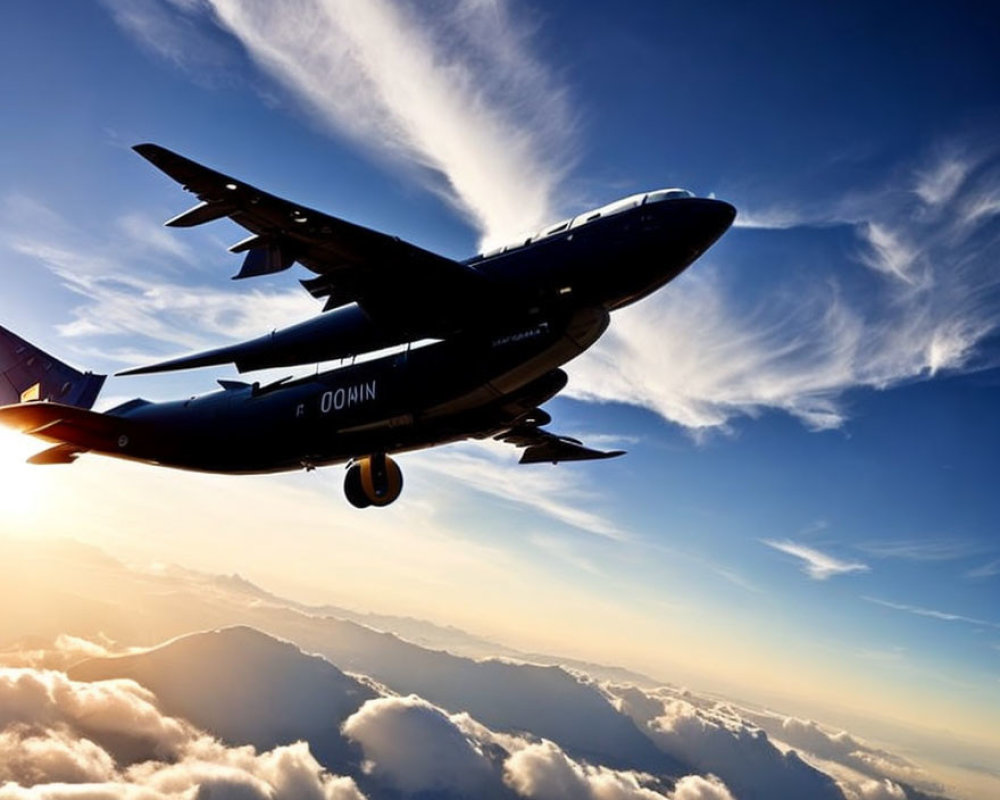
point(695, 224)
point(715, 217)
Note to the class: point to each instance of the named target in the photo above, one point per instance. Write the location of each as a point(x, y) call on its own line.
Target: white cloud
point(884, 789)
point(29, 756)
point(816, 564)
point(61, 738)
point(104, 709)
point(161, 28)
point(939, 184)
point(889, 253)
point(826, 748)
point(544, 772)
point(922, 550)
point(987, 570)
point(62, 652)
point(775, 218)
point(698, 787)
point(120, 300)
point(556, 492)
point(944, 616)
point(152, 235)
point(718, 741)
point(284, 773)
point(417, 747)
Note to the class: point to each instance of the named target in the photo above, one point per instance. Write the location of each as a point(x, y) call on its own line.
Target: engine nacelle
point(373, 481)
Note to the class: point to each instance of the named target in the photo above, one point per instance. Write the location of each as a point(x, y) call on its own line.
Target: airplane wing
point(541, 446)
point(396, 283)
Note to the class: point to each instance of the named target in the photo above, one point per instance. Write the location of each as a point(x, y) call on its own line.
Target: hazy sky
point(808, 510)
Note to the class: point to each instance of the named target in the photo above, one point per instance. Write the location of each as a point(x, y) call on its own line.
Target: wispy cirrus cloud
point(916, 295)
point(944, 616)
point(118, 300)
point(987, 570)
point(455, 88)
point(941, 181)
point(490, 468)
point(922, 550)
point(816, 564)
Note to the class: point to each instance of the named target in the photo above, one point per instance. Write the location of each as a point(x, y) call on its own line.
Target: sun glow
point(20, 483)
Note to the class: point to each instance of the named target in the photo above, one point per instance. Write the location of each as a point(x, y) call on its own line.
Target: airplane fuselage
point(440, 392)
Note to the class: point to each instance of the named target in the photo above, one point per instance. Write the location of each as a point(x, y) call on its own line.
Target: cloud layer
point(752, 749)
point(418, 747)
point(110, 739)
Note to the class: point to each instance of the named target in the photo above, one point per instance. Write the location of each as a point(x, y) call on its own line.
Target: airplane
point(495, 328)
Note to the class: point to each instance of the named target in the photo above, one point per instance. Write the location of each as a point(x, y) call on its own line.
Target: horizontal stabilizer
point(28, 373)
point(53, 422)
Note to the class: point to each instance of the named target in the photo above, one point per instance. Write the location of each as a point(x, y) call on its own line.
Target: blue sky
point(818, 393)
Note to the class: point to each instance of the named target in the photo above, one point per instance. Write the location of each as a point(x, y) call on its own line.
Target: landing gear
point(372, 481)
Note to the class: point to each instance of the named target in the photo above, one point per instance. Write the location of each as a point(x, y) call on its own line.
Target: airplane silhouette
point(502, 323)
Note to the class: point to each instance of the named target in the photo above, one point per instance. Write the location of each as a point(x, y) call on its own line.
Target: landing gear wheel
point(373, 481)
point(353, 490)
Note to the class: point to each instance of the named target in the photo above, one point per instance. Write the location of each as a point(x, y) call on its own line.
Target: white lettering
point(344, 397)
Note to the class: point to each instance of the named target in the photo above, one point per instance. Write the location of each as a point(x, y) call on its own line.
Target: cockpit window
point(559, 227)
point(667, 194)
point(616, 207)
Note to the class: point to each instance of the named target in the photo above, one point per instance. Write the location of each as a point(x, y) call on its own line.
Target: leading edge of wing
point(383, 273)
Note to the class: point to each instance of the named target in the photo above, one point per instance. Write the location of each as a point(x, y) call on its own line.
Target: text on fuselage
point(344, 397)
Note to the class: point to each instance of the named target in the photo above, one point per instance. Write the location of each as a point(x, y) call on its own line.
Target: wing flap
point(200, 214)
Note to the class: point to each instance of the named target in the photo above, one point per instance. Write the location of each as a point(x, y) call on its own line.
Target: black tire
point(353, 490)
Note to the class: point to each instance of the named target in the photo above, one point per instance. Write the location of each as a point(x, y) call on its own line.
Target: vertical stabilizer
point(27, 373)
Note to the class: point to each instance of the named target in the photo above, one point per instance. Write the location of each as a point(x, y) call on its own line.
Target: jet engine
point(372, 481)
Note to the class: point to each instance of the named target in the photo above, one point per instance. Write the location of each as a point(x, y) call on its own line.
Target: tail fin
point(27, 373)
